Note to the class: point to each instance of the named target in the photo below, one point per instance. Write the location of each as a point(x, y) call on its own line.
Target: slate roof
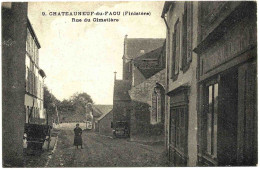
point(152, 55)
point(121, 88)
point(101, 117)
point(150, 72)
point(135, 45)
point(99, 110)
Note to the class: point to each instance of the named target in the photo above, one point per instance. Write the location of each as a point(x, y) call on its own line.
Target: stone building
point(121, 101)
point(99, 111)
point(147, 96)
point(227, 79)
point(211, 83)
point(181, 84)
point(148, 51)
point(22, 80)
point(103, 124)
point(34, 80)
point(135, 47)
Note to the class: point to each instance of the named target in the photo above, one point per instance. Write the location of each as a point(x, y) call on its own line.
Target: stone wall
point(141, 96)
point(104, 125)
point(121, 111)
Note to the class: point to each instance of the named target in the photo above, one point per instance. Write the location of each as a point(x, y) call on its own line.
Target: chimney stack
point(115, 76)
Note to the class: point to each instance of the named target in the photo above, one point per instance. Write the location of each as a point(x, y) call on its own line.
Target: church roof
point(136, 47)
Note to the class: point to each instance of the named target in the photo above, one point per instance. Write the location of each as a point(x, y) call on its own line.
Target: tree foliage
point(76, 103)
point(80, 101)
point(50, 101)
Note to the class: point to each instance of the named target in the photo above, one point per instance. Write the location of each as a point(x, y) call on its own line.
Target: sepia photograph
point(129, 84)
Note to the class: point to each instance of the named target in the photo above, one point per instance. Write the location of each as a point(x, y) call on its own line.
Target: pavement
point(102, 151)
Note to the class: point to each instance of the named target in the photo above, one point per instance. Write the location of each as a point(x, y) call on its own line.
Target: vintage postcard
point(129, 84)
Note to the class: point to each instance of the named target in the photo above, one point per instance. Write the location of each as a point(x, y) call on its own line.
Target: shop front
point(227, 117)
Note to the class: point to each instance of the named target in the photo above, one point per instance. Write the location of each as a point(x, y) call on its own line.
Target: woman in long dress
point(78, 138)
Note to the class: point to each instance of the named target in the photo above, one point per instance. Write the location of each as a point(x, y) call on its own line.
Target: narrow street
point(102, 151)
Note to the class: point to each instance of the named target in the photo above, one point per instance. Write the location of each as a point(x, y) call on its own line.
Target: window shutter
point(173, 54)
point(184, 37)
point(189, 30)
point(177, 53)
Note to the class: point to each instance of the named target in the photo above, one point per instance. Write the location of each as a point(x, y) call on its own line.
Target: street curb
point(54, 148)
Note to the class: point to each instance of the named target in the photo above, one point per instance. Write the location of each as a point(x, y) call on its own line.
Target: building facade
point(22, 81)
point(227, 79)
point(121, 102)
point(103, 124)
point(136, 47)
point(181, 84)
point(34, 80)
point(133, 48)
point(148, 96)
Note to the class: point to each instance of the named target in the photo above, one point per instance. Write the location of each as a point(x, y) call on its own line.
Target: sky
point(83, 56)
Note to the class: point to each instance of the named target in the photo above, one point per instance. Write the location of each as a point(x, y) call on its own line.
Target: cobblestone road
point(101, 151)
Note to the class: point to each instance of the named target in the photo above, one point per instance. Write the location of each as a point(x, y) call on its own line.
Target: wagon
point(121, 129)
point(37, 134)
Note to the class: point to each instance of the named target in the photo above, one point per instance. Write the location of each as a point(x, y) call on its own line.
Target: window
point(156, 113)
point(212, 110)
point(187, 36)
point(175, 50)
point(178, 128)
point(27, 114)
point(27, 78)
point(33, 83)
point(28, 39)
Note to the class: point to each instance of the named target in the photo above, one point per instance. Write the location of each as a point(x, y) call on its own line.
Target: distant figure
point(78, 138)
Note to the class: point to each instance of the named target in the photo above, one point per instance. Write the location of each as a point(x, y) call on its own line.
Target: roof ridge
point(102, 116)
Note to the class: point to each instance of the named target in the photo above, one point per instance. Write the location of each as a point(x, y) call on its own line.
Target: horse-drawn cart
point(36, 135)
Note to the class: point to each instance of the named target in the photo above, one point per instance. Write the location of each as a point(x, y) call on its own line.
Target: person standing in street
point(77, 137)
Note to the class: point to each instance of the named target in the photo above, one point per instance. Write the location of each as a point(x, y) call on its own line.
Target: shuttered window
point(187, 38)
point(175, 50)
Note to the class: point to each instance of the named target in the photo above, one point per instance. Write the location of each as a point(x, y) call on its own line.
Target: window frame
point(214, 117)
point(179, 136)
point(156, 110)
point(175, 51)
point(187, 34)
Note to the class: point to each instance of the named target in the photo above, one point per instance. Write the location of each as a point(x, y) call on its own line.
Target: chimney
point(125, 48)
point(115, 76)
